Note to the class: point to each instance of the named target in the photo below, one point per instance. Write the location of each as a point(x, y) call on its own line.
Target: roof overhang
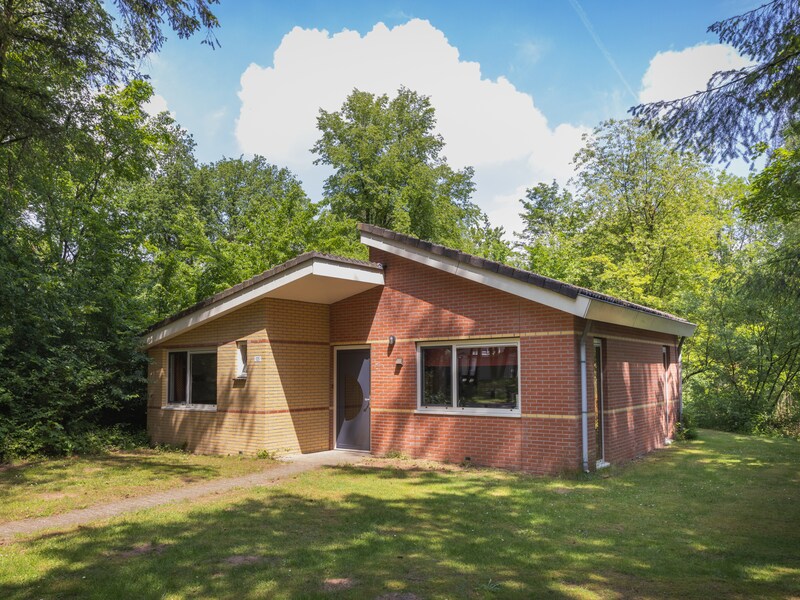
point(580, 306)
point(318, 280)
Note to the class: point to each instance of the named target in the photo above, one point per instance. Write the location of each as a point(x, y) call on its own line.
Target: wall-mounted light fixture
point(392, 340)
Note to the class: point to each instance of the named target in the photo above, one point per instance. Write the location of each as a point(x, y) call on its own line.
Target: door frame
point(335, 387)
point(600, 380)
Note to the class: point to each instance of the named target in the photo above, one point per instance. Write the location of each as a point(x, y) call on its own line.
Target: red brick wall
point(638, 416)
point(419, 303)
point(422, 303)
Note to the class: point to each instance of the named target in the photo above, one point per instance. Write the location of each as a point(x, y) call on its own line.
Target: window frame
point(189, 405)
point(453, 408)
point(241, 359)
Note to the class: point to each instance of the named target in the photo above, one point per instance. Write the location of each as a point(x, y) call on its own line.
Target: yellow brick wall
point(284, 404)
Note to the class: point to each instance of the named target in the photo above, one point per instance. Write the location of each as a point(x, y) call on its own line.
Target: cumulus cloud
point(675, 74)
point(156, 105)
point(487, 124)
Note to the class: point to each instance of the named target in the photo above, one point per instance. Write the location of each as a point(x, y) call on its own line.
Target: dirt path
point(294, 465)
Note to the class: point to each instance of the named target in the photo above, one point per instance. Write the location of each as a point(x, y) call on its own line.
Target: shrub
point(684, 429)
point(52, 439)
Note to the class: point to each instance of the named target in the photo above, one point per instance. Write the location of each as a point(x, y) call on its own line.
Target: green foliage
point(684, 430)
point(208, 227)
point(642, 221)
point(775, 194)
point(389, 171)
point(51, 439)
point(70, 258)
point(744, 375)
point(56, 54)
point(73, 136)
point(741, 109)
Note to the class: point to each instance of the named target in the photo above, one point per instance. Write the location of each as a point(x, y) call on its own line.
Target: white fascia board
point(260, 290)
point(606, 312)
point(574, 306)
point(226, 305)
point(358, 273)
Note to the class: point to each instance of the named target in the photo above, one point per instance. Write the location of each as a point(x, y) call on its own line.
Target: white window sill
point(471, 412)
point(194, 407)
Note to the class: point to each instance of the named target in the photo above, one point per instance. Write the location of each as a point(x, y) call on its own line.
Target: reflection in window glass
point(437, 376)
point(177, 378)
point(204, 378)
point(487, 377)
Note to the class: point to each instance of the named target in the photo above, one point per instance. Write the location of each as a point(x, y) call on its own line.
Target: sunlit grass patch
point(684, 522)
point(47, 487)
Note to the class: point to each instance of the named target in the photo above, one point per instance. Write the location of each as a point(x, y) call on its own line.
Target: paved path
point(294, 464)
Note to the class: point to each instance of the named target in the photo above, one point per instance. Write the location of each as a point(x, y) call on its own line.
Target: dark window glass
point(487, 377)
point(204, 378)
point(177, 377)
point(437, 376)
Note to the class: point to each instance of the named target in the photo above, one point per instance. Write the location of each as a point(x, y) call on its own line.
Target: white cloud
point(156, 105)
point(488, 124)
point(675, 74)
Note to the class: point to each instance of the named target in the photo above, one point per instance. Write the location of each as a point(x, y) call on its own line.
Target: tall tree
point(389, 169)
point(741, 109)
point(70, 272)
point(211, 226)
point(643, 221)
point(744, 369)
point(56, 54)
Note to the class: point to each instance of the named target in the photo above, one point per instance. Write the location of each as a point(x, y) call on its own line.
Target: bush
point(51, 439)
point(684, 429)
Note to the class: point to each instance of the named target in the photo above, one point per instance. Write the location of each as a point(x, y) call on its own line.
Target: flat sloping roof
point(561, 288)
point(346, 267)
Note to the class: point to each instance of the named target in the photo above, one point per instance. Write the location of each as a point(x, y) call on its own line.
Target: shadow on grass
point(668, 526)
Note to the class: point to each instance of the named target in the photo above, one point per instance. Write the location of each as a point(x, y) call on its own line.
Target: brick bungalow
point(424, 350)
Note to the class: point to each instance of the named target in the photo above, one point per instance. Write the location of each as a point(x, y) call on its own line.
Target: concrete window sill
point(192, 407)
point(465, 412)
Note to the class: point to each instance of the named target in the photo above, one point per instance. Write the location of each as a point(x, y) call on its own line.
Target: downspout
point(584, 399)
point(680, 377)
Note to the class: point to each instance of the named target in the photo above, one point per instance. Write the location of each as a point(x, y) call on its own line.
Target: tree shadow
point(416, 531)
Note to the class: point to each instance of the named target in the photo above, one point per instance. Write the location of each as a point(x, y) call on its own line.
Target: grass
point(718, 517)
point(48, 487)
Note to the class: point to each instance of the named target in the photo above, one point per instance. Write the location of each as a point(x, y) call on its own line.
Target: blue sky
point(514, 83)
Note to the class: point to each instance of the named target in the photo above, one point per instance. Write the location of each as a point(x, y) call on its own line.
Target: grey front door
point(352, 399)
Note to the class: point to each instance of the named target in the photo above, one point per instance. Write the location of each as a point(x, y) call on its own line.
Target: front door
point(352, 399)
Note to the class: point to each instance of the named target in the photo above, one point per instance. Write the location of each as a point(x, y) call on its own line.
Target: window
point(472, 378)
point(192, 377)
point(437, 376)
point(241, 359)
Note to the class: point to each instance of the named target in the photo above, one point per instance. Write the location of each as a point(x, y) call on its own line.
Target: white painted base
point(601, 464)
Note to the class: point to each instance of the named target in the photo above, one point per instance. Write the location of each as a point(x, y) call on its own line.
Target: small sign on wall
point(257, 359)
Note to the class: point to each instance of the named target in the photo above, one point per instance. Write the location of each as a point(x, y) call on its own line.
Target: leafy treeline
point(108, 223)
point(72, 135)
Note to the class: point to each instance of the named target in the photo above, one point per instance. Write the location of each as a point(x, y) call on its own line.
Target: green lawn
point(719, 517)
point(48, 487)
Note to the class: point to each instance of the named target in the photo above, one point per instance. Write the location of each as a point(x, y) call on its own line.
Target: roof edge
point(581, 302)
point(261, 278)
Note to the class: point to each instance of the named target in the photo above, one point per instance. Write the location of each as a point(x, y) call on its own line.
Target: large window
point(480, 378)
point(192, 377)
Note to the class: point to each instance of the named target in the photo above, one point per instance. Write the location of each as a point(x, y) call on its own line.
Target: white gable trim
point(581, 306)
point(575, 306)
point(315, 266)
